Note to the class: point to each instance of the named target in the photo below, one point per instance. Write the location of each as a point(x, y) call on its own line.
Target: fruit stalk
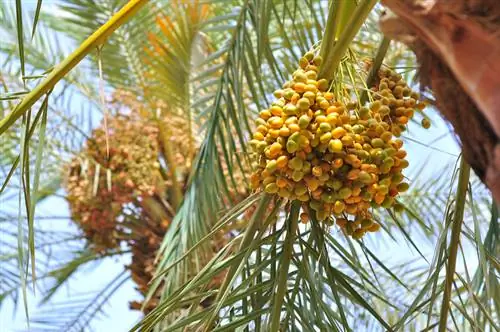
point(329, 34)
point(331, 60)
point(377, 63)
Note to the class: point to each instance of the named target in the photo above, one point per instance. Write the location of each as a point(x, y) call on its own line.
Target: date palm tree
point(214, 66)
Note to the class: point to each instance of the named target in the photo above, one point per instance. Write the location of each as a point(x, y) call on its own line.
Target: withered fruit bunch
point(105, 177)
point(339, 158)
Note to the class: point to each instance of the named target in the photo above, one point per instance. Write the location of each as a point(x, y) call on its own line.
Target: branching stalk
point(463, 183)
point(377, 63)
point(89, 45)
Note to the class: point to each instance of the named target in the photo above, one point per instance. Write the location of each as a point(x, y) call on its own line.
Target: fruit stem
point(286, 256)
point(60, 71)
point(331, 60)
point(377, 63)
point(463, 183)
point(166, 150)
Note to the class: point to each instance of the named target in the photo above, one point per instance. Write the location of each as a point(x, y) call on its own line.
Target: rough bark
point(457, 44)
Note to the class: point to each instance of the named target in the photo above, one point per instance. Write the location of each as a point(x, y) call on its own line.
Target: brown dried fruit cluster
point(121, 198)
point(100, 184)
point(338, 158)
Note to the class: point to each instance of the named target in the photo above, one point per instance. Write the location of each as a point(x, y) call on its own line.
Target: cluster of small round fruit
point(395, 103)
point(340, 159)
point(109, 173)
